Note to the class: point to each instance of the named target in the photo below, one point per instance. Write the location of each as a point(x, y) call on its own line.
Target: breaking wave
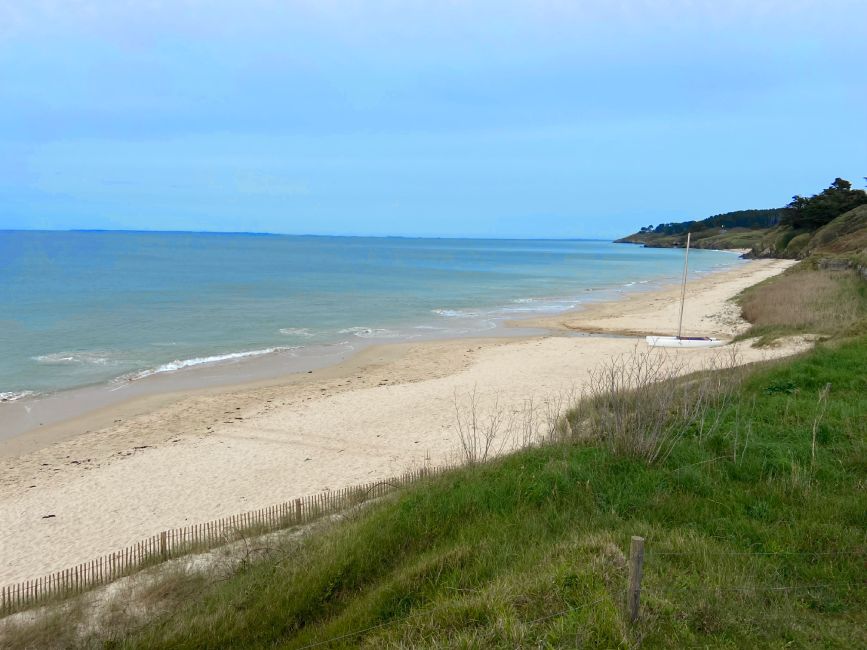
point(13, 396)
point(180, 364)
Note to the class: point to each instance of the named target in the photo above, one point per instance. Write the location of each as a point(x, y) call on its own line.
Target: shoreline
point(457, 319)
point(169, 462)
point(38, 419)
point(656, 312)
point(64, 414)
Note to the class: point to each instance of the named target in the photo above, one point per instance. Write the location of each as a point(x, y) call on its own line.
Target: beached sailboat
point(680, 341)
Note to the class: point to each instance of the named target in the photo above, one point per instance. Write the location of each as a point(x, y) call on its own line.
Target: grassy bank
point(805, 300)
point(752, 541)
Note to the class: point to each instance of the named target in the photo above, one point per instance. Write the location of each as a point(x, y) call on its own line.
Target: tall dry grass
point(486, 428)
point(638, 404)
point(820, 302)
point(641, 404)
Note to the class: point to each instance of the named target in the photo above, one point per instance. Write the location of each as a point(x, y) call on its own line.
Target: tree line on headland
point(820, 209)
point(738, 219)
point(833, 221)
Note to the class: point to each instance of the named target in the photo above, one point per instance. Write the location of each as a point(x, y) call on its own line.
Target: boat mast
point(683, 287)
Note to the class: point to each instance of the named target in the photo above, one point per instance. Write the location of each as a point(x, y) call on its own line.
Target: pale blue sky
point(489, 118)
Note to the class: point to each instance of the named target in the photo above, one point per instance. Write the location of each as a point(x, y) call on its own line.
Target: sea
point(88, 307)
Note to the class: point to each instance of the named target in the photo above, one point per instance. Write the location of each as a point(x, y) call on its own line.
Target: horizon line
point(284, 234)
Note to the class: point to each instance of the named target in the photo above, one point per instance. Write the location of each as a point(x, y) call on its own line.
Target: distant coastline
point(831, 223)
point(101, 308)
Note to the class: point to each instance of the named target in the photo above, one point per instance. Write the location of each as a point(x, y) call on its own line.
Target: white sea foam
point(71, 358)
point(550, 308)
point(454, 313)
point(297, 331)
point(12, 396)
point(541, 305)
point(180, 364)
point(379, 333)
point(370, 332)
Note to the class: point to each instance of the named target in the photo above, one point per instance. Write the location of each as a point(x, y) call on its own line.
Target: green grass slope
point(783, 233)
point(845, 236)
point(751, 542)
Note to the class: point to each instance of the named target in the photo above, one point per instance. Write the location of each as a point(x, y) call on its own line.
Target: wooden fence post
point(163, 549)
point(636, 569)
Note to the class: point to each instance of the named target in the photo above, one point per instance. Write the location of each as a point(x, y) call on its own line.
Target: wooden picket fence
point(196, 539)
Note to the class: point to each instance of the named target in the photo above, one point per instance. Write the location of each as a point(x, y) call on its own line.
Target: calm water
point(78, 308)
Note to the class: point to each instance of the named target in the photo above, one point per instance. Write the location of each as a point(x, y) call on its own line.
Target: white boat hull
point(682, 342)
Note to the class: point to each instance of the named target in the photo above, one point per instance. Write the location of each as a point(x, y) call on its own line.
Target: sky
point(486, 118)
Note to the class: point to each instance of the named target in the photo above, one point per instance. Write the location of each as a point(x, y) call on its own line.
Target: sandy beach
point(122, 474)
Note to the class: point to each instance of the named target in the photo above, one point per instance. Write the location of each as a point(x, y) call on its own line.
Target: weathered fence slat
point(186, 539)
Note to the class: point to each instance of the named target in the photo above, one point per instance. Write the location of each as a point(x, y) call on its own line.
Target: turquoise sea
point(79, 308)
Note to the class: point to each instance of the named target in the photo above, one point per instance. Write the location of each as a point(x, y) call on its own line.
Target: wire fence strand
point(855, 552)
point(706, 589)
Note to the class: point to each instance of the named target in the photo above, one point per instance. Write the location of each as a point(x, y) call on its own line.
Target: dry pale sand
point(205, 456)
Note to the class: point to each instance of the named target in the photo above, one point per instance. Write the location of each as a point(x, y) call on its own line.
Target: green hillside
point(846, 236)
point(830, 222)
point(739, 229)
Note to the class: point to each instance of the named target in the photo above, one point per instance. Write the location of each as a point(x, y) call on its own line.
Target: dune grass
point(751, 542)
point(803, 300)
